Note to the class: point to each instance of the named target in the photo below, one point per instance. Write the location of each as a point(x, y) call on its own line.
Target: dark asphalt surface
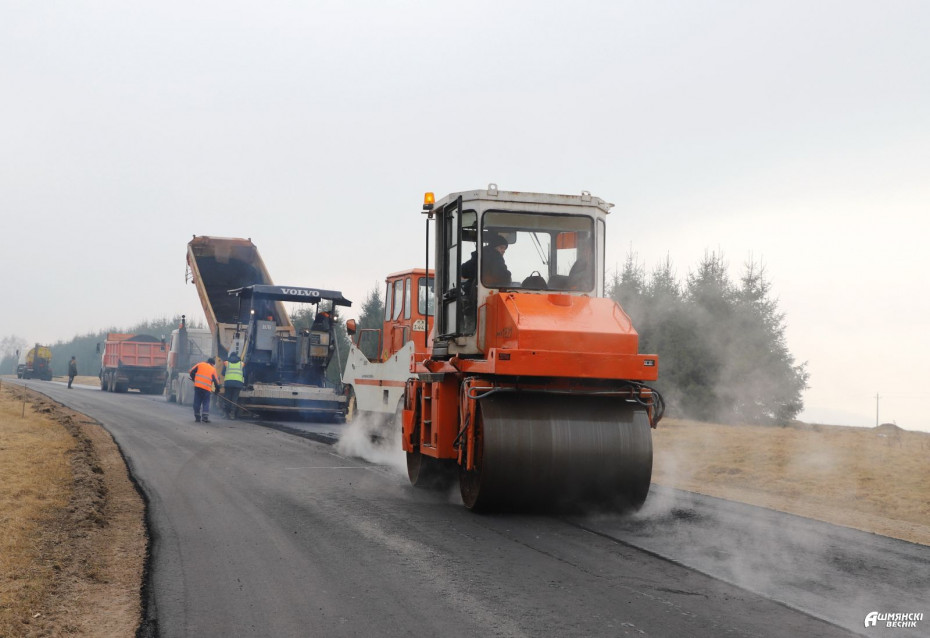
point(259, 531)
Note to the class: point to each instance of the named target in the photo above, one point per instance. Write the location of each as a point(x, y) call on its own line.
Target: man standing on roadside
point(204, 377)
point(72, 371)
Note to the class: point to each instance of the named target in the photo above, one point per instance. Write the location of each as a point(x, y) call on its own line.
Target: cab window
point(540, 251)
point(425, 296)
point(398, 299)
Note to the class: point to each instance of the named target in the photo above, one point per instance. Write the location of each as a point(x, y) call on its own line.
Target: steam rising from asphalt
point(385, 449)
point(367, 438)
point(831, 572)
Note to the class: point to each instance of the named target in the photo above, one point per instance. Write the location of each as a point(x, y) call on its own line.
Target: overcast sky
point(796, 134)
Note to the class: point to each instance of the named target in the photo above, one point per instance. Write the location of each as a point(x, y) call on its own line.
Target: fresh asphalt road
point(257, 531)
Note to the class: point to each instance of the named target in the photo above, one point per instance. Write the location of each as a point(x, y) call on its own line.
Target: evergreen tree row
point(84, 347)
point(721, 345)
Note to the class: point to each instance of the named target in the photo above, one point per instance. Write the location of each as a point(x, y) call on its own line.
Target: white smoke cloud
point(367, 438)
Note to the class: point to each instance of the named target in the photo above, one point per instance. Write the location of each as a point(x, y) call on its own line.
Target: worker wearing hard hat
point(204, 377)
point(233, 380)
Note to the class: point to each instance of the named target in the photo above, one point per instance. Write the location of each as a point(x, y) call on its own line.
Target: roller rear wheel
point(428, 472)
point(545, 451)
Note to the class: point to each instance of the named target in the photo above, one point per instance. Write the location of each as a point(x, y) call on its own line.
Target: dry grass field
point(72, 534)
point(873, 479)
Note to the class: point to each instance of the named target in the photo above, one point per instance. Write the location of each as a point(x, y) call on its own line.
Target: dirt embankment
point(72, 524)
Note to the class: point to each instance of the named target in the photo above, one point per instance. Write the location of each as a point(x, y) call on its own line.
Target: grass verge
point(72, 535)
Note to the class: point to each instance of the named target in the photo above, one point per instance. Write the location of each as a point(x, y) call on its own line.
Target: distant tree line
point(721, 345)
point(84, 347)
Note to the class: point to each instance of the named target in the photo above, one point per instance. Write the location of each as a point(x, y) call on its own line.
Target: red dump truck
point(133, 362)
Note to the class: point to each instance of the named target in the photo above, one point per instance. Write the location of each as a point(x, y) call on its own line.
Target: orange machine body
point(523, 338)
point(532, 342)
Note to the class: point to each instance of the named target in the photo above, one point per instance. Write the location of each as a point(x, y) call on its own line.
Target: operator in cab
point(580, 277)
point(494, 272)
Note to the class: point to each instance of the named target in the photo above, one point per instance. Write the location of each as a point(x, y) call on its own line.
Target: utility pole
point(876, 409)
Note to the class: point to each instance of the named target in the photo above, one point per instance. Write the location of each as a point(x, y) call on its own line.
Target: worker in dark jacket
point(205, 383)
point(494, 272)
point(72, 370)
point(233, 380)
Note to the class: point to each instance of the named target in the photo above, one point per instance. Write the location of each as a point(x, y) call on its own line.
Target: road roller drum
point(548, 450)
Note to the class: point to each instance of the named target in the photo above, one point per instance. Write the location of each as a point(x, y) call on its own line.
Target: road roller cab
point(531, 389)
point(492, 241)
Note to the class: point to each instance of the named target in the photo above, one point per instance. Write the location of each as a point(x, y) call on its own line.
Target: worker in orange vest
point(205, 382)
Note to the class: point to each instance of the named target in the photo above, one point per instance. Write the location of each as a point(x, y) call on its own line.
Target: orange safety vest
point(203, 376)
